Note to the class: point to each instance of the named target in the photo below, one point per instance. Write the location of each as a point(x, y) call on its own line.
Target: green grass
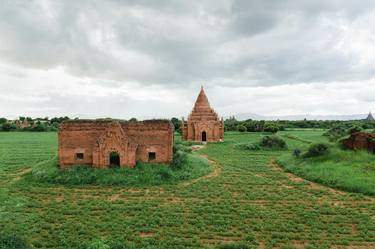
point(249, 203)
point(144, 174)
point(345, 170)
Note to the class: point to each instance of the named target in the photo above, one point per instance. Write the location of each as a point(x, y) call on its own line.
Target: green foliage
point(177, 124)
point(179, 159)
point(347, 170)
point(98, 244)
point(243, 201)
point(273, 128)
point(8, 127)
point(266, 142)
point(144, 174)
point(336, 133)
point(3, 120)
point(242, 128)
point(184, 166)
point(273, 142)
point(297, 152)
point(317, 150)
point(12, 241)
point(248, 146)
point(354, 129)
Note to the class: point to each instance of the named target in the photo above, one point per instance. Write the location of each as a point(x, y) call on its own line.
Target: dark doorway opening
point(114, 160)
point(151, 156)
point(204, 136)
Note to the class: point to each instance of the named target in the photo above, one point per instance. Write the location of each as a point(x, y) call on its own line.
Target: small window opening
point(151, 156)
point(79, 156)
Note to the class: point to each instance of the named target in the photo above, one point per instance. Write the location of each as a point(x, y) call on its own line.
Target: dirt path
point(214, 173)
point(294, 178)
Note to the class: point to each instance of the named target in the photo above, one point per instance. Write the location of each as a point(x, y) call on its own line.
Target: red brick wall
point(132, 140)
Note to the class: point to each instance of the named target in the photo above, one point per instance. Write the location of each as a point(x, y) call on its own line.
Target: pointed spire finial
point(202, 100)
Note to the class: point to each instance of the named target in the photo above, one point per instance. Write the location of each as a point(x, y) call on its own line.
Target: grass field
point(248, 203)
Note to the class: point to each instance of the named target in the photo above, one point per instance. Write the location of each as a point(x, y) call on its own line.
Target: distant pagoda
point(370, 117)
point(203, 123)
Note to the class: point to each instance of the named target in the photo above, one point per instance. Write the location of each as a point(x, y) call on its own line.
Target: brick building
point(203, 123)
point(105, 143)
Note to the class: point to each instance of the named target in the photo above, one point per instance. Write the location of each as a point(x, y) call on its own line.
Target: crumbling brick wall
point(89, 142)
point(360, 141)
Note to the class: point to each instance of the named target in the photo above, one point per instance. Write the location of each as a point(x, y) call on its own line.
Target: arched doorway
point(204, 136)
point(114, 159)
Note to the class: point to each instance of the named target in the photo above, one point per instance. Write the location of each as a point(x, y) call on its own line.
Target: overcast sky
point(125, 59)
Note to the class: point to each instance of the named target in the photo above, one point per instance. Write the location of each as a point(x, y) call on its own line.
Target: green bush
point(297, 153)
point(273, 128)
point(336, 133)
point(273, 142)
point(8, 127)
point(354, 129)
point(250, 146)
point(317, 150)
point(242, 128)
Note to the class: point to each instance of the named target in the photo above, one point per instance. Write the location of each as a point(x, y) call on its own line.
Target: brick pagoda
point(203, 123)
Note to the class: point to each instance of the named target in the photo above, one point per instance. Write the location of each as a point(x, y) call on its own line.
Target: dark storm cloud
point(183, 42)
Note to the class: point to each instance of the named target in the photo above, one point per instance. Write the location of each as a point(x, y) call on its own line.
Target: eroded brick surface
point(203, 123)
point(90, 142)
point(360, 141)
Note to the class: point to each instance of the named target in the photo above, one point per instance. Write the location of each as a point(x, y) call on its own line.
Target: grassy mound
point(346, 170)
point(144, 174)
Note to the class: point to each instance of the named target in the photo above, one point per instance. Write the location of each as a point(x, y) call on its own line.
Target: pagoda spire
point(370, 117)
point(202, 100)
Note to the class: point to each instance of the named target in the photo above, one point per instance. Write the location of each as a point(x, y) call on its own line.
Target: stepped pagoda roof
point(202, 109)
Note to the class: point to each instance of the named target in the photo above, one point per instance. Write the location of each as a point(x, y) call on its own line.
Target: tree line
point(231, 124)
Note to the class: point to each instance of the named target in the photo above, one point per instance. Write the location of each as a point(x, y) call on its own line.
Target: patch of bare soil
point(114, 197)
point(197, 147)
point(146, 234)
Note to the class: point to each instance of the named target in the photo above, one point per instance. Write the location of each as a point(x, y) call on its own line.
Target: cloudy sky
point(147, 58)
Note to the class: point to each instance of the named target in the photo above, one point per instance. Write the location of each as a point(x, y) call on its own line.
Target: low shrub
point(317, 150)
point(179, 159)
point(273, 142)
point(250, 146)
point(297, 153)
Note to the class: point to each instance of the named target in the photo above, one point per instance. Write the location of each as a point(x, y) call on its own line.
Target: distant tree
point(273, 128)
point(133, 120)
point(242, 128)
point(21, 118)
point(354, 129)
point(8, 127)
point(177, 124)
point(3, 120)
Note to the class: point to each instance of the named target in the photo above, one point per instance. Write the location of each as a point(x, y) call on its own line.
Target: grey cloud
point(175, 42)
